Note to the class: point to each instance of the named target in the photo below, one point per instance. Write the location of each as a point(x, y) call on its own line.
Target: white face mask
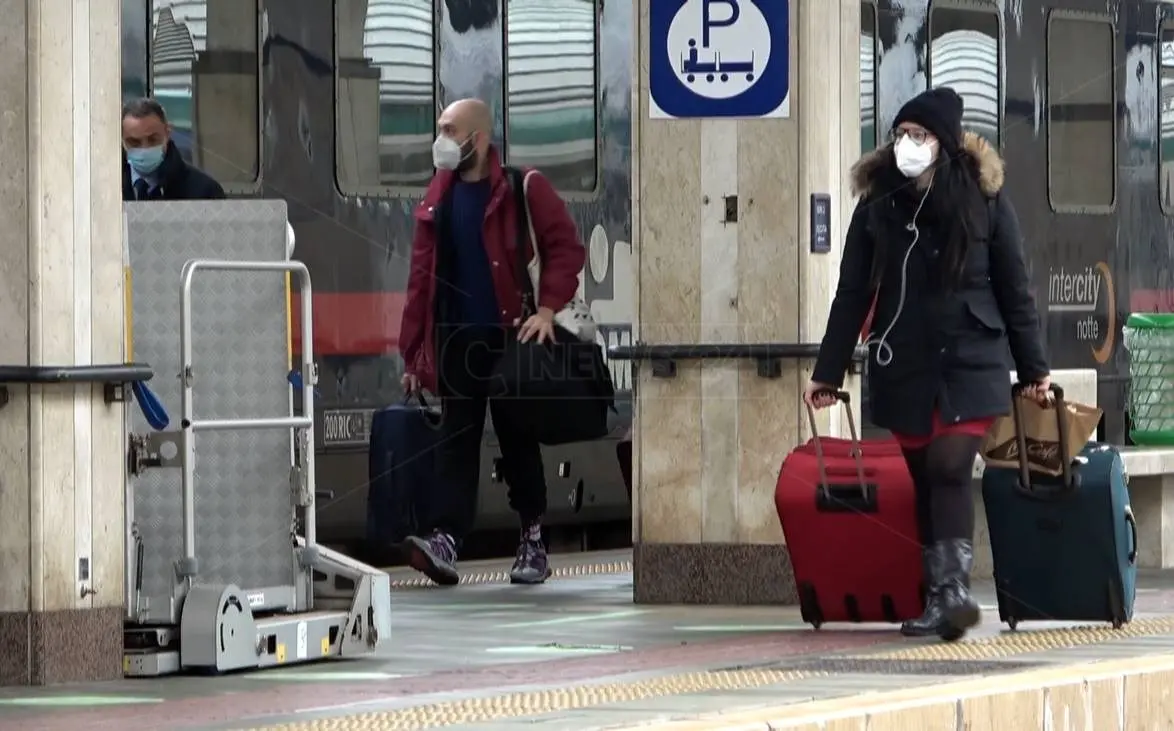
point(913, 159)
point(446, 153)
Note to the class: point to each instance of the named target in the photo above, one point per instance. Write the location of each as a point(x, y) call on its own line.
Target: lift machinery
point(223, 568)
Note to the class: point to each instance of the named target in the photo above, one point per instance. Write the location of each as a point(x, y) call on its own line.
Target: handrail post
point(309, 383)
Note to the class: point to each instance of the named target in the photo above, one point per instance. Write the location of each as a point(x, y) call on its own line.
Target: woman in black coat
point(938, 246)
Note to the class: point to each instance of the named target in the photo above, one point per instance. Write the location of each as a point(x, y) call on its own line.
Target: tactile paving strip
point(1027, 640)
point(502, 575)
point(887, 666)
point(536, 703)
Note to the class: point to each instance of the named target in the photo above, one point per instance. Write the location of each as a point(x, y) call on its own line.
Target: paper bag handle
point(1021, 437)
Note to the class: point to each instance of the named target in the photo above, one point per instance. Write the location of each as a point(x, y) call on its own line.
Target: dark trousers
point(466, 361)
point(942, 477)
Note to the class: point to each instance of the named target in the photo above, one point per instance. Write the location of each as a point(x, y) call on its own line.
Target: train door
point(1073, 232)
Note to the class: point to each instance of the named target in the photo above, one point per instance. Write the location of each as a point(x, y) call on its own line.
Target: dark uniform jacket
point(950, 344)
point(178, 181)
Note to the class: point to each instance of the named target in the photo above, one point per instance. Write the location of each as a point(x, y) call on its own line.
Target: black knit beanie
point(939, 110)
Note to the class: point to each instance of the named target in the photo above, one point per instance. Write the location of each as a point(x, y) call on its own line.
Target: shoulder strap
point(517, 181)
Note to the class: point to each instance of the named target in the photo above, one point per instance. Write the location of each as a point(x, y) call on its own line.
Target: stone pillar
point(61, 292)
point(709, 442)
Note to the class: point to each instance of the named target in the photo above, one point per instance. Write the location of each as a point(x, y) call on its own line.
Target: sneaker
point(531, 565)
point(434, 556)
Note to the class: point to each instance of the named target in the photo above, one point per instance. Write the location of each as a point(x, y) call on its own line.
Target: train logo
point(1088, 295)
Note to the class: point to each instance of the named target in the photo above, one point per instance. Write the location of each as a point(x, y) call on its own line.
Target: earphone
point(884, 351)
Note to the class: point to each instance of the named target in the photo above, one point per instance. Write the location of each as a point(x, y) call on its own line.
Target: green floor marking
point(472, 607)
point(559, 649)
point(595, 617)
point(742, 627)
point(77, 700)
point(325, 675)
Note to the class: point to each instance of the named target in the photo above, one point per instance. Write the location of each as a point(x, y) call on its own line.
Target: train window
point(1166, 118)
point(205, 70)
point(964, 55)
point(136, 17)
point(471, 34)
point(1082, 150)
point(385, 106)
point(868, 53)
point(552, 90)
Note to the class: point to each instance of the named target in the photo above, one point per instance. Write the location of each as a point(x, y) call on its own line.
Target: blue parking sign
point(719, 58)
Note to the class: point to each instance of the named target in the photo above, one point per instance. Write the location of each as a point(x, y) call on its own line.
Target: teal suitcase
point(1064, 548)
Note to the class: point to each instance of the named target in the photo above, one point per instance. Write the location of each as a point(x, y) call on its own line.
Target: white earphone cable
point(884, 352)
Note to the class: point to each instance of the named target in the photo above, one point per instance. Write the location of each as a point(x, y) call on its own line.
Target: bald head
point(466, 125)
point(468, 116)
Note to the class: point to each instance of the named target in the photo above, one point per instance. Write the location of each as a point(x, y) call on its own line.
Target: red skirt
point(971, 427)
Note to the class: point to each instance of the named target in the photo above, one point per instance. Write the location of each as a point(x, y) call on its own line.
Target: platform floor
point(577, 654)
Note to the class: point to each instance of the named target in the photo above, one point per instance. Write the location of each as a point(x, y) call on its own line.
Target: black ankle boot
point(959, 609)
point(931, 621)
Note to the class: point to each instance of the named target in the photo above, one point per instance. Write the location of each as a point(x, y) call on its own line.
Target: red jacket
point(559, 249)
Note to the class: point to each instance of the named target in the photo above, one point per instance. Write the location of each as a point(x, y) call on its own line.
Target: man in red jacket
point(464, 298)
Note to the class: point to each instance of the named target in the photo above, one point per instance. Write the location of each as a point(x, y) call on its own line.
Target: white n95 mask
point(912, 159)
point(446, 153)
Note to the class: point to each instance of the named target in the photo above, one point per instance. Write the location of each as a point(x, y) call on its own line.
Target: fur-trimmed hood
point(986, 158)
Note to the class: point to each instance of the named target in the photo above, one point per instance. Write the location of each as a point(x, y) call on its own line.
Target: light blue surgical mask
point(145, 160)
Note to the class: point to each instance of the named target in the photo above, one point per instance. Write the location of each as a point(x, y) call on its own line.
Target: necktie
point(141, 189)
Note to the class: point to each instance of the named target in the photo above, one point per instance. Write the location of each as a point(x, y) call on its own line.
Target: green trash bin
point(1149, 340)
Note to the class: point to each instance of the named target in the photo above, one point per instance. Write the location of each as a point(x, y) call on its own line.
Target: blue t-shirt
point(473, 298)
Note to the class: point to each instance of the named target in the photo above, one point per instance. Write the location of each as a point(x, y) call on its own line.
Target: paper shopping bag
point(1046, 452)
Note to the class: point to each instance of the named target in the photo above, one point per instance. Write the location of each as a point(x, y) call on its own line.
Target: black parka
point(950, 343)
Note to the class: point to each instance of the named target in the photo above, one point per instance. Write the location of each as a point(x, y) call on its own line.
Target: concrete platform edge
point(1122, 695)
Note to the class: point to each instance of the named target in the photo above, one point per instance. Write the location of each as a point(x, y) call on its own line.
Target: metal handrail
point(767, 355)
point(113, 377)
point(113, 373)
point(191, 425)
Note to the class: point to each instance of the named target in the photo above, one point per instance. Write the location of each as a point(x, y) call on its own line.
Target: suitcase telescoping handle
point(1021, 437)
point(844, 398)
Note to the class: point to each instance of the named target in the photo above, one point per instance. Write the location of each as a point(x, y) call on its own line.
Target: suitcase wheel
point(1116, 608)
point(1013, 624)
point(809, 605)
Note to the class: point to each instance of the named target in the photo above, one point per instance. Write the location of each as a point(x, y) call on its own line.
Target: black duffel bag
point(555, 392)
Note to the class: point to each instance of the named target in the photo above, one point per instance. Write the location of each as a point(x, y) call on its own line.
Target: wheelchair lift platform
point(223, 568)
point(219, 631)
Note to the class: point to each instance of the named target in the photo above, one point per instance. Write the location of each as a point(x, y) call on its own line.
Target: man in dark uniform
point(152, 167)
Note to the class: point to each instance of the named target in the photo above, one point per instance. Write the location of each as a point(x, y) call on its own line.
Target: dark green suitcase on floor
point(1064, 548)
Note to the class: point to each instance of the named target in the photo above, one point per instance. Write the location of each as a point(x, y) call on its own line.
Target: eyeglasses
point(919, 136)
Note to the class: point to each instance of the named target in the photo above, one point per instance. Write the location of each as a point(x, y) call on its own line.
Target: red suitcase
point(850, 524)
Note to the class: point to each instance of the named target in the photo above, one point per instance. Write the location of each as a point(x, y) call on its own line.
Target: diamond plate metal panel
point(243, 503)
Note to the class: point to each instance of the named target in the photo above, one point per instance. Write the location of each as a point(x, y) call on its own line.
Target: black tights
point(942, 475)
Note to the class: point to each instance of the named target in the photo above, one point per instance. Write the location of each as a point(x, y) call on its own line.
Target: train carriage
point(331, 105)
